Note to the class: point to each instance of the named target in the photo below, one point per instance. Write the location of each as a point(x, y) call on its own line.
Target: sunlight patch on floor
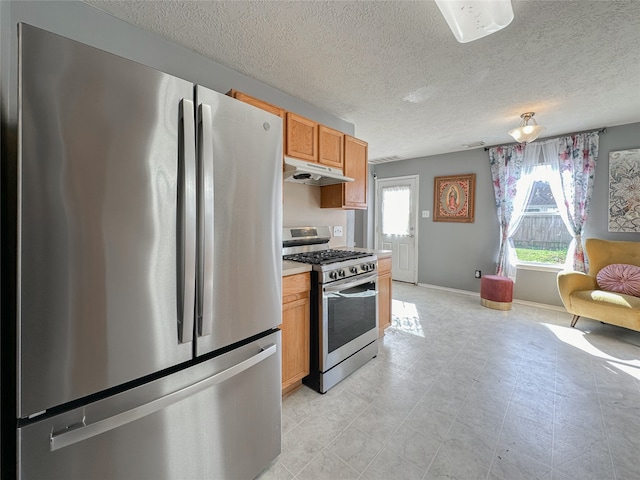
point(577, 339)
point(406, 317)
point(633, 371)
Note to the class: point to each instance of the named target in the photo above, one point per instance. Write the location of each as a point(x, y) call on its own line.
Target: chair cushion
point(620, 278)
point(615, 308)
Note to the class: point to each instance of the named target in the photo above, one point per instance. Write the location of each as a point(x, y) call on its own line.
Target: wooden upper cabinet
point(302, 138)
point(356, 166)
point(256, 102)
point(330, 147)
point(351, 195)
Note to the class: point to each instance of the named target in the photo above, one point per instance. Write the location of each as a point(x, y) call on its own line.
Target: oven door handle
point(350, 282)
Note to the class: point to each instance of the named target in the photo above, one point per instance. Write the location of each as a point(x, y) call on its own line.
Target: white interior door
point(396, 222)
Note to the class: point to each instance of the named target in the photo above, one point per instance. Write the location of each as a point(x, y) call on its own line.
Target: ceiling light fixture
point(473, 19)
point(528, 130)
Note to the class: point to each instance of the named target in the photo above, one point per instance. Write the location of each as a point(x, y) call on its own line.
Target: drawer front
point(294, 284)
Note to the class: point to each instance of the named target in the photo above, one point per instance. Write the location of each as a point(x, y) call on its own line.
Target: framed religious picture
point(624, 190)
point(454, 198)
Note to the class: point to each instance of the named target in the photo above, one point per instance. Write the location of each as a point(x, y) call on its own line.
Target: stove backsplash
point(302, 208)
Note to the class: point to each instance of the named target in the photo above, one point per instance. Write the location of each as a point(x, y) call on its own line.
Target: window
point(396, 206)
point(541, 237)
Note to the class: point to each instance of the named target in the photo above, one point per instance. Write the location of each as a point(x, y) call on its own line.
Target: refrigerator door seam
point(79, 432)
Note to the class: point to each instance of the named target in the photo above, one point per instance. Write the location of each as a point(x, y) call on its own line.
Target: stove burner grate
point(325, 257)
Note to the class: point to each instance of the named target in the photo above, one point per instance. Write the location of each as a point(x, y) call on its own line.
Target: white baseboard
point(476, 294)
point(447, 289)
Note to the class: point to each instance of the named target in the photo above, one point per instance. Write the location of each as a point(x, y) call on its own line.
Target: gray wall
point(449, 252)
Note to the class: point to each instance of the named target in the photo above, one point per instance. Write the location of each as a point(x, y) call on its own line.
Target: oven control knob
point(372, 266)
point(354, 269)
point(333, 275)
point(341, 273)
point(364, 267)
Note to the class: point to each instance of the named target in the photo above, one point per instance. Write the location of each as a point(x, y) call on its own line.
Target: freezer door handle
point(82, 431)
point(187, 221)
point(206, 224)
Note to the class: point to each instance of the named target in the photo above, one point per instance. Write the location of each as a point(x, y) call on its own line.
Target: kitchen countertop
point(293, 268)
point(378, 253)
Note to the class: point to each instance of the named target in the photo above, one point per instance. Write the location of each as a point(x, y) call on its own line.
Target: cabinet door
point(295, 341)
point(295, 330)
point(355, 166)
point(352, 195)
point(302, 138)
point(384, 295)
point(331, 147)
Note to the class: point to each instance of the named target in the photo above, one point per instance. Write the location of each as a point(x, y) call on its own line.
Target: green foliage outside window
point(536, 255)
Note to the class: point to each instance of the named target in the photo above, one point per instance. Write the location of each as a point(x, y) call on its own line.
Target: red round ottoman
point(496, 292)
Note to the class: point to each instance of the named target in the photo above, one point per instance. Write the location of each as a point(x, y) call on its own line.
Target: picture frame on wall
point(454, 198)
point(624, 191)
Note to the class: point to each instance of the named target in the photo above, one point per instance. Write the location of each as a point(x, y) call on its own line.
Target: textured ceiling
point(394, 69)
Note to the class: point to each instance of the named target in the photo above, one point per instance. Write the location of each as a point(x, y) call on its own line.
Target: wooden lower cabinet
point(385, 294)
point(295, 330)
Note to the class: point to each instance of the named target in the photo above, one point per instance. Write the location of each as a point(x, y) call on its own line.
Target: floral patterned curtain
point(506, 169)
point(574, 158)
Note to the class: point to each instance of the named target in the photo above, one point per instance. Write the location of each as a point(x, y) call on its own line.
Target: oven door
point(349, 318)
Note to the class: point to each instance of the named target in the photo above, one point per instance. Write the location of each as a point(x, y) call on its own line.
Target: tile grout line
point(408, 357)
point(457, 415)
point(604, 423)
point(555, 408)
point(328, 444)
point(504, 418)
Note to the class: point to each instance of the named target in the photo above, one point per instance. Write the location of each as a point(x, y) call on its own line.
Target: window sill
point(540, 267)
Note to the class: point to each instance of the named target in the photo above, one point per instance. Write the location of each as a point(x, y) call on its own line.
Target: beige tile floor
point(459, 391)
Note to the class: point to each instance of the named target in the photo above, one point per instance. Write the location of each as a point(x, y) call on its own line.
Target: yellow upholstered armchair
point(584, 297)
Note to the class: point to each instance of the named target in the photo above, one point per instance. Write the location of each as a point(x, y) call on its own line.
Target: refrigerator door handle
point(206, 223)
point(187, 221)
point(82, 431)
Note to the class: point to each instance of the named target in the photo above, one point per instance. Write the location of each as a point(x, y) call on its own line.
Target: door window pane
point(396, 206)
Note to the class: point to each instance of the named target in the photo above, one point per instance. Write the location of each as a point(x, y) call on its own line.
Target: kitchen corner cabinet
point(351, 195)
point(385, 294)
point(302, 138)
point(295, 330)
point(330, 147)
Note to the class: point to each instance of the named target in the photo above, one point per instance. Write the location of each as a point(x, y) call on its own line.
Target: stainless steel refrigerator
point(148, 286)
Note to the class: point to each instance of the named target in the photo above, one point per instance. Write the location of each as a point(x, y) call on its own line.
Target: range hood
point(299, 171)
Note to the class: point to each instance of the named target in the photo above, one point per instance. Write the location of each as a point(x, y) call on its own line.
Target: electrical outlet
point(478, 274)
point(337, 231)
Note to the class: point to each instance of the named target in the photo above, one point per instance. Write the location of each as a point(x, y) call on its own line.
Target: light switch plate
point(337, 231)
point(425, 213)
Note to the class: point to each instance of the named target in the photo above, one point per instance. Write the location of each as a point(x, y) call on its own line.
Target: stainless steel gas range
point(344, 304)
